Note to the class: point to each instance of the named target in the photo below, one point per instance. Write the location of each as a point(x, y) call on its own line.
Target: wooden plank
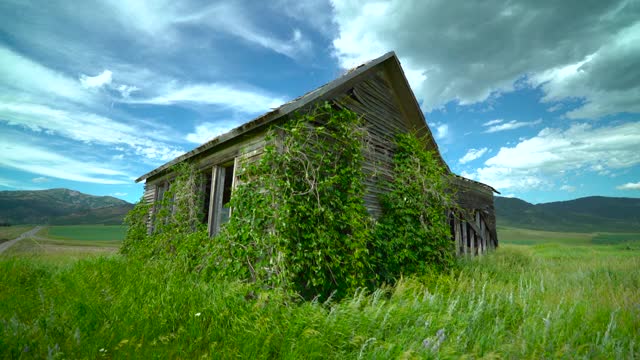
point(210, 221)
point(481, 248)
point(457, 235)
point(217, 193)
point(472, 240)
point(465, 244)
point(482, 229)
point(149, 198)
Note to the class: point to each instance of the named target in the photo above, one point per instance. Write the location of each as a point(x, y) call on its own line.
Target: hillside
point(589, 214)
point(60, 207)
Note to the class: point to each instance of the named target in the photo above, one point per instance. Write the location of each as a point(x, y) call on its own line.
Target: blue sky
point(541, 100)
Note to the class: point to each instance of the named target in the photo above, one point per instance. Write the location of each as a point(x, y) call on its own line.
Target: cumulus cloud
point(472, 154)
point(534, 162)
point(511, 125)
point(629, 186)
point(467, 51)
point(568, 188)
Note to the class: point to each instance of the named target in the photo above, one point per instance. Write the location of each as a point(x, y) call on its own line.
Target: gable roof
point(388, 62)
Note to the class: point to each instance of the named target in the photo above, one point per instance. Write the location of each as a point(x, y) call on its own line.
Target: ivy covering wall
point(299, 220)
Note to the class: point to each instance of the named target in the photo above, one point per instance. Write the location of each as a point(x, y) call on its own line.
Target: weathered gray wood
point(480, 234)
point(456, 235)
point(482, 230)
point(378, 92)
point(212, 199)
point(472, 244)
point(218, 192)
point(463, 228)
point(149, 198)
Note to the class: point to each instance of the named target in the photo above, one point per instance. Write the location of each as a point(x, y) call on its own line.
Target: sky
point(539, 99)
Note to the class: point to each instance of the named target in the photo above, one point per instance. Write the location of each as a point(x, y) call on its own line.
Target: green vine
point(413, 234)
point(299, 217)
point(299, 220)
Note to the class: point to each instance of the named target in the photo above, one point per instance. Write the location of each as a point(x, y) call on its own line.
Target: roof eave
point(272, 115)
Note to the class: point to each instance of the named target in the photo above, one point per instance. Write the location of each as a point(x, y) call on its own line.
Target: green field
point(61, 244)
point(562, 297)
point(517, 236)
point(86, 232)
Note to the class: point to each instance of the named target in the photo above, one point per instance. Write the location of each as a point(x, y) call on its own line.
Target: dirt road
point(5, 245)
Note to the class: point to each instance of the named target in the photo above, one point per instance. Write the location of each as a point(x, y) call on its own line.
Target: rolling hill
point(60, 207)
point(588, 214)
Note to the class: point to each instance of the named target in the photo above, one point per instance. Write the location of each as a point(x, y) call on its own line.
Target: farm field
point(11, 232)
point(65, 243)
point(85, 232)
point(518, 236)
point(562, 299)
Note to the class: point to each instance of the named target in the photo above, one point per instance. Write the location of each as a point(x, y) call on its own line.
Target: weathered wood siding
point(373, 99)
point(475, 218)
point(149, 197)
point(473, 227)
point(242, 151)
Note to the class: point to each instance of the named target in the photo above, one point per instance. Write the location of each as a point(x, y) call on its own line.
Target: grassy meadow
point(565, 298)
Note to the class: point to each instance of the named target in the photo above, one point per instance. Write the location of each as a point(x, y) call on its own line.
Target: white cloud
point(86, 127)
point(98, 81)
point(207, 131)
point(535, 162)
point(473, 154)
point(568, 188)
point(629, 186)
point(556, 107)
point(442, 131)
point(165, 20)
point(126, 90)
point(240, 100)
point(605, 79)
point(22, 155)
point(493, 122)
point(511, 125)
point(41, 179)
point(20, 75)
point(315, 13)
point(119, 194)
point(467, 51)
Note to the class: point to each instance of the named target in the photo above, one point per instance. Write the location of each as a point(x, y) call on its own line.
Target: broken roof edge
point(274, 114)
point(476, 182)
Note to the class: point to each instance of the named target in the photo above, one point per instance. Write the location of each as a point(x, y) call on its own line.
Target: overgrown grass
point(49, 251)
point(545, 301)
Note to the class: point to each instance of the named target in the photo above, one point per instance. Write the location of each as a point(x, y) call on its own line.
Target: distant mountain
point(60, 207)
point(588, 214)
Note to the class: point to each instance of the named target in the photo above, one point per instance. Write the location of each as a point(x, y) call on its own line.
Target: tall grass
point(545, 301)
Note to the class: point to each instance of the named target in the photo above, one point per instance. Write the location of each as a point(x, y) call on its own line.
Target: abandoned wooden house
point(380, 93)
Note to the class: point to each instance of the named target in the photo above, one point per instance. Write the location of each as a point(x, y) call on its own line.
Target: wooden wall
point(373, 99)
point(472, 226)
